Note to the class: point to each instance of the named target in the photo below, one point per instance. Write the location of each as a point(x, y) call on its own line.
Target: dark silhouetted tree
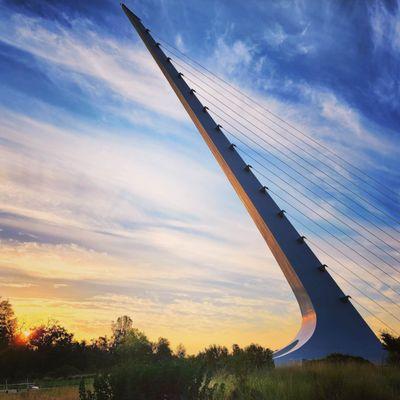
point(162, 350)
point(214, 356)
point(121, 328)
point(50, 336)
point(8, 324)
point(180, 351)
point(134, 345)
point(392, 345)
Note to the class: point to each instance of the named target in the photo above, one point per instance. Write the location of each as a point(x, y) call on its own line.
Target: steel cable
point(330, 194)
point(307, 197)
point(278, 117)
point(320, 226)
point(303, 176)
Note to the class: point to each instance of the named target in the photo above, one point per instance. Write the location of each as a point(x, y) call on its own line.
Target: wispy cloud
point(125, 68)
point(179, 43)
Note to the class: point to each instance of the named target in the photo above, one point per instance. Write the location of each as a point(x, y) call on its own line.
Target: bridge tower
point(330, 323)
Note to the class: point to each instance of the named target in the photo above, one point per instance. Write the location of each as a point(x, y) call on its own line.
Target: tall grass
point(319, 381)
point(315, 382)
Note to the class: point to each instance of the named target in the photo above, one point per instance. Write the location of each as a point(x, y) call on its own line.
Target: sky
point(111, 204)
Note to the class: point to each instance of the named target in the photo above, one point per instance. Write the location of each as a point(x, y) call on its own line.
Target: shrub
point(339, 358)
point(175, 379)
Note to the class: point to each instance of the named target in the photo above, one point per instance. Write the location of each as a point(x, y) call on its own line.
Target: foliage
point(180, 351)
point(121, 328)
point(214, 357)
point(172, 379)
point(239, 361)
point(250, 358)
point(392, 345)
point(8, 324)
point(339, 358)
point(134, 344)
point(49, 337)
point(130, 366)
point(318, 381)
point(50, 350)
point(187, 379)
point(162, 349)
point(152, 371)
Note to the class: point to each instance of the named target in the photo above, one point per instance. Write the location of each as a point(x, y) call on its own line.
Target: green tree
point(252, 357)
point(258, 356)
point(214, 356)
point(102, 388)
point(135, 344)
point(8, 324)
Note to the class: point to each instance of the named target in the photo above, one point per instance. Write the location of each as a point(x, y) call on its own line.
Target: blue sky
point(109, 199)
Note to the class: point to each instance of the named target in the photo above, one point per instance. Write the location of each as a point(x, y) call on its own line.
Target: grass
point(315, 382)
point(308, 382)
point(60, 382)
point(50, 389)
point(61, 393)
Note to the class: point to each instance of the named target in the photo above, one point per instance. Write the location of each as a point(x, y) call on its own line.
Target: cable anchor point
point(263, 189)
point(205, 109)
point(345, 299)
point(322, 268)
point(281, 213)
point(301, 239)
point(232, 146)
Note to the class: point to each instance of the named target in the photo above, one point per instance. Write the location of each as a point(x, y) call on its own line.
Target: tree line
point(49, 350)
point(129, 365)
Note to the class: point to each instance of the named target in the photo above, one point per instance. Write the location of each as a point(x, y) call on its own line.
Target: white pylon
point(330, 323)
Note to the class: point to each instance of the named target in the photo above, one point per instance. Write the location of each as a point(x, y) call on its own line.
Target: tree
point(162, 349)
point(250, 358)
point(102, 343)
point(392, 345)
point(258, 356)
point(8, 324)
point(135, 344)
point(214, 356)
point(50, 336)
point(180, 351)
point(121, 328)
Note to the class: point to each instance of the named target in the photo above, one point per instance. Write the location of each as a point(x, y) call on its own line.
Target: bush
point(339, 358)
point(175, 379)
point(253, 357)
